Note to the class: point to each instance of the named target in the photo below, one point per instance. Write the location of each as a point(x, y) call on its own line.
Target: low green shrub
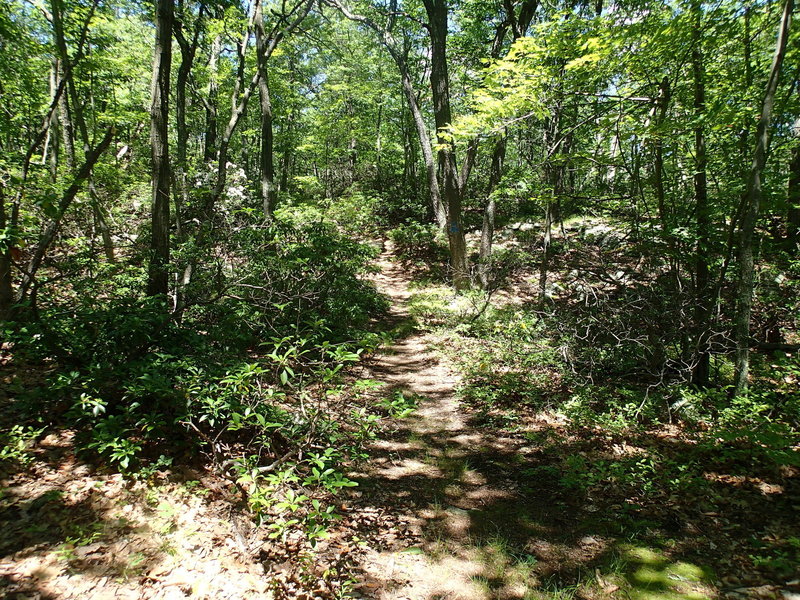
point(419, 242)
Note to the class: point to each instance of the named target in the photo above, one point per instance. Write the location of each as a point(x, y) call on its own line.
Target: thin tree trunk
point(440, 210)
point(287, 156)
point(519, 27)
point(793, 217)
point(210, 140)
point(702, 313)
point(266, 163)
point(487, 230)
point(101, 223)
point(188, 52)
point(239, 102)
point(67, 132)
point(158, 271)
point(664, 96)
point(546, 251)
point(378, 148)
point(6, 288)
point(753, 201)
point(51, 228)
point(51, 140)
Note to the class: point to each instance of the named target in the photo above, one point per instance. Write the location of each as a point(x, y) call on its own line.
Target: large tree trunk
point(753, 201)
point(158, 271)
point(702, 298)
point(451, 190)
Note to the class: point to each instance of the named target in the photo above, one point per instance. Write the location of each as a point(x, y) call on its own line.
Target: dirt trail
point(435, 486)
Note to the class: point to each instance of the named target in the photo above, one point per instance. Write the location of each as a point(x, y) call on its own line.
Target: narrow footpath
point(446, 508)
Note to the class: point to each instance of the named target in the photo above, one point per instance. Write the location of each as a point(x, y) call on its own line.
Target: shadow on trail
point(453, 507)
point(494, 517)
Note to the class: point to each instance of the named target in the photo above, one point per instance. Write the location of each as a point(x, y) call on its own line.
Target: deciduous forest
point(386, 299)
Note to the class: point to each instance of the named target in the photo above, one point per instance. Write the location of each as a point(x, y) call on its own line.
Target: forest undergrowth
point(537, 473)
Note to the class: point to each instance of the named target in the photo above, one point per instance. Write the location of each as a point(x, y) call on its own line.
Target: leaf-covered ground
point(450, 504)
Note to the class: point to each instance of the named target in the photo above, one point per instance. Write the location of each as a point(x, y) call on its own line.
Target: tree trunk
point(546, 252)
point(239, 101)
point(210, 140)
point(793, 217)
point(451, 190)
point(51, 140)
point(67, 133)
point(266, 164)
point(188, 52)
point(378, 149)
point(158, 274)
point(487, 230)
point(519, 27)
point(51, 228)
point(439, 209)
point(702, 313)
point(6, 289)
point(101, 222)
point(753, 201)
point(664, 95)
point(287, 156)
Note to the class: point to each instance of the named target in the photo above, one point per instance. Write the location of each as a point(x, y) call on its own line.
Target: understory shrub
point(419, 242)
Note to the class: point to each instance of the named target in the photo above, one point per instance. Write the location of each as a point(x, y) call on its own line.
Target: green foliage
point(400, 405)
point(418, 242)
point(15, 444)
point(355, 212)
point(297, 273)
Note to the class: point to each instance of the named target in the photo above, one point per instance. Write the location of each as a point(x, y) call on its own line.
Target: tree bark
point(753, 200)
point(158, 271)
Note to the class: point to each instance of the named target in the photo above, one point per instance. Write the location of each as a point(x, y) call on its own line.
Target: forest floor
point(446, 508)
